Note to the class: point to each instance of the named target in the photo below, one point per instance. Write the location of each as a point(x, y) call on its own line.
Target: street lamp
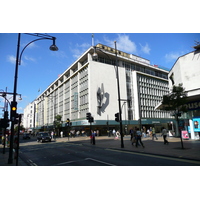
point(53, 47)
point(95, 56)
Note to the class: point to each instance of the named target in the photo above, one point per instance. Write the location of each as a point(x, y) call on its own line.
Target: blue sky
point(40, 66)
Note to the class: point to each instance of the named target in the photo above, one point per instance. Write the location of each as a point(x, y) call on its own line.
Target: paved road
point(78, 154)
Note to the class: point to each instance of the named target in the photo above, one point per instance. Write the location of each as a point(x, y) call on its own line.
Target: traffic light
point(68, 122)
point(17, 119)
point(6, 120)
point(117, 117)
point(88, 116)
point(4, 123)
point(13, 110)
point(91, 119)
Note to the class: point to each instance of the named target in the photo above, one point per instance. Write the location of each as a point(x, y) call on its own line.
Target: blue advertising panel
point(196, 123)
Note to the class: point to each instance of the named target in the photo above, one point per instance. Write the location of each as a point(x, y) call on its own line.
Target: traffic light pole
point(17, 153)
point(119, 99)
point(10, 159)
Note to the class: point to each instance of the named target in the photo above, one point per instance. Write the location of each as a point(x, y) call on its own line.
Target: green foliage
point(20, 128)
point(58, 122)
point(175, 101)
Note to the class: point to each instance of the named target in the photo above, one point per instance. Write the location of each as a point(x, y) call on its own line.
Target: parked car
point(43, 137)
point(26, 136)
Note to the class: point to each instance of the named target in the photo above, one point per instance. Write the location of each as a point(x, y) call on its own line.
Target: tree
point(176, 102)
point(21, 128)
point(58, 123)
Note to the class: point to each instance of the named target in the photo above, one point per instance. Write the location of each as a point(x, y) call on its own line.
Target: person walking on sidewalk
point(93, 137)
point(154, 134)
point(138, 137)
point(133, 141)
point(131, 133)
point(164, 134)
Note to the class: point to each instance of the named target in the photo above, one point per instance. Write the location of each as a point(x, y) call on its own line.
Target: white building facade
point(186, 70)
point(90, 85)
point(29, 117)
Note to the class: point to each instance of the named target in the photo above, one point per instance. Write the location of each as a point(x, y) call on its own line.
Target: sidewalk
point(173, 149)
point(4, 158)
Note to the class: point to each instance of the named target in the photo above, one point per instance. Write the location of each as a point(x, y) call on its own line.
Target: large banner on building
point(75, 100)
point(195, 105)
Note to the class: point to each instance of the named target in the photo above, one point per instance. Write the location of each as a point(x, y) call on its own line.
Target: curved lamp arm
point(53, 47)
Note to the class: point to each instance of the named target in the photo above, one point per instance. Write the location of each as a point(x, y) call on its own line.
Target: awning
point(193, 103)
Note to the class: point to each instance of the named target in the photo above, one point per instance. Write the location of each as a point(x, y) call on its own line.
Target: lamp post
point(118, 89)
point(13, 111)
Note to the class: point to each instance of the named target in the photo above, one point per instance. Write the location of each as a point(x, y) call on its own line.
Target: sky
point(40, 66)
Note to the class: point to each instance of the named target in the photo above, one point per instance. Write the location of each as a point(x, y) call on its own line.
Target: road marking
point(31, 162)
point(67, 162)
point(157, 156)
point(70, 143)
point(99, 161)
point(73, 161)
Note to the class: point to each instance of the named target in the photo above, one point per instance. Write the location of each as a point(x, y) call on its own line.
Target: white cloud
point(29, 58)
point(172, 56)
point(11, 59)
point(79, 49)
point(123, 43)
point(145, 49)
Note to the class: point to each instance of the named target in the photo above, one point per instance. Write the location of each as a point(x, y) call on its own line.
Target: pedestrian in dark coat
point(138, 137)
point(164, 134)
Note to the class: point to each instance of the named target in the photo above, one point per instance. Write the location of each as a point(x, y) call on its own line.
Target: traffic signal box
point(4, 123)
point(68, 122)
point(14, 116)
point(117, 117)
point(17, 119)
point(89, 117)
point(13, 110)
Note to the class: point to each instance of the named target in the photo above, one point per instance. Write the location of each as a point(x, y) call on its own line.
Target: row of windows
point(106, 60)
point(154, 114)
point(134, 67)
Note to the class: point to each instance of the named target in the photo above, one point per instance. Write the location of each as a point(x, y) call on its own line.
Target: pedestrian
point(134, 136)
point(118, 134)
point(3, 140)
point(97, 133)
point(144, 131)
point(154, 134)
point(164, 134)
point(52, 134)
point(150, 132)
point(15, 144)
point(131, 133)
point(61, 134)
point(114, 133)
point(138, 137)
point(93, 137)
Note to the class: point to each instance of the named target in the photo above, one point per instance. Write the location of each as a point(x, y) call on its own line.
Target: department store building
point(90, 85)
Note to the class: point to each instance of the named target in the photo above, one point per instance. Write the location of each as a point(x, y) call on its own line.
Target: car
point(26, 136)
point(43, 137)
